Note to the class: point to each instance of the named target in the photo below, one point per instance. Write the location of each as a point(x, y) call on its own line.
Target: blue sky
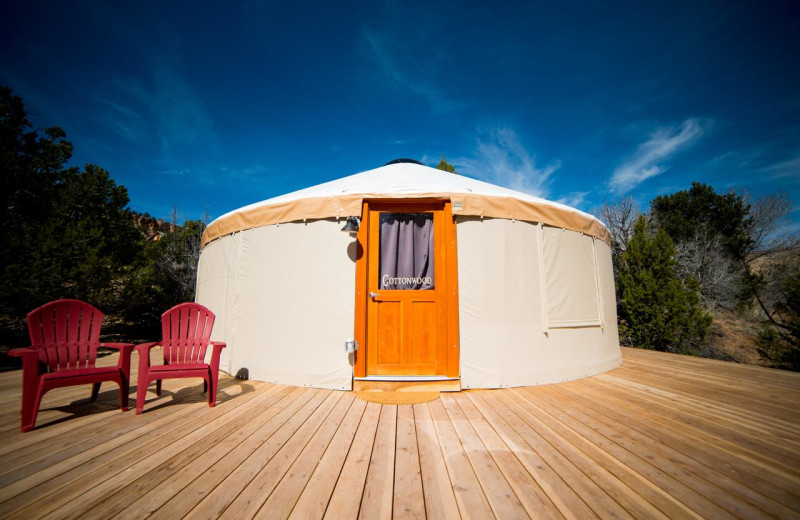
point(222, 104)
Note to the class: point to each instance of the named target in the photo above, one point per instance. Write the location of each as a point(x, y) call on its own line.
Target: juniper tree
point(657, 309)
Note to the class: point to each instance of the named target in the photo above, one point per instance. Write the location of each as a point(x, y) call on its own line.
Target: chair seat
point(175, 367)
point(96, 371)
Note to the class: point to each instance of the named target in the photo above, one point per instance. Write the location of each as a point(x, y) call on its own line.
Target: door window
point(406, 251)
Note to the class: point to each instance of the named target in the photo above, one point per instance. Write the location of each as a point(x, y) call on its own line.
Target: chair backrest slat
point(72, 321)
point(66, 333)
point(186, 333)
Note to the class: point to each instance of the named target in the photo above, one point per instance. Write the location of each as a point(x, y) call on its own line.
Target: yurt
point(409, 273)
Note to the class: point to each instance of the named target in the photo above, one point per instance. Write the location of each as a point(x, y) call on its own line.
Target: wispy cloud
point(162, 107)
point(502, 159)
point(180, 116)
point(648, 160)
point(404, 71)
point(788, 169)
point(126, 121)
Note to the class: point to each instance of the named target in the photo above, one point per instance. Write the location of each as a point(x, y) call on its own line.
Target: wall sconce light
point(352, 225)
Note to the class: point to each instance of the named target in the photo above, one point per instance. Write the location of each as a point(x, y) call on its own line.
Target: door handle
point(374, 295)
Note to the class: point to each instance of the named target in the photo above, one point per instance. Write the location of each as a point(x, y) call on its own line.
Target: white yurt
point(409, 273)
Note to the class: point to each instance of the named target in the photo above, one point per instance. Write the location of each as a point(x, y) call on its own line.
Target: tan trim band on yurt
point(350, 205)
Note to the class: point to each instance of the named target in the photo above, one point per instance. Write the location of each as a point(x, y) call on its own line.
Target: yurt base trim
point(479, 381)
point(406, 378)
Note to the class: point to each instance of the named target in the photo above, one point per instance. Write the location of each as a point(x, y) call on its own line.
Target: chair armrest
point(31, 368)
point(23, 353)
point(125, 350)
point(144, 354)
point(142, 347)
point(216, 351)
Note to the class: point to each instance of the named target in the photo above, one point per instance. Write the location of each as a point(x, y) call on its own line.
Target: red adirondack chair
point(65, 336)
point(186, 335)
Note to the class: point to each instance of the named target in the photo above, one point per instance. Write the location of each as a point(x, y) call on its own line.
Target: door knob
point(374, 295)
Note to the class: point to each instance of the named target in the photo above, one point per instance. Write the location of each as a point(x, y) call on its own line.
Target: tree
point(768, 226)
point(711, 235)
point(704, 258)
point(446, 166)
point(66, 232)
point(781, 344)
point(619, 217)
point(179, 255)
point(683, 213)
point(32, 162)
point(657, 310)
point(164, 275)
point(82, 250)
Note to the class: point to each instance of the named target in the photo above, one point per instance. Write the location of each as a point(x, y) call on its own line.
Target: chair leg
point(158, 387)
point(31, 393)
point(29, 419)
point(95, 391)
point(30, 408)
point(124, 392)
point(212, 391)
point(141, 390)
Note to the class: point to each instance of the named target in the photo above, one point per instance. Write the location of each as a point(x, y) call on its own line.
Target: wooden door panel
point(424, 337)
point(390, 320)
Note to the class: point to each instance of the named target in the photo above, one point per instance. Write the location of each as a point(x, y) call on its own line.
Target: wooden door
point(409, 314)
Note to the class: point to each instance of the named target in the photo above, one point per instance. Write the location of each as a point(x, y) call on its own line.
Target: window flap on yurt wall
point(570, 276)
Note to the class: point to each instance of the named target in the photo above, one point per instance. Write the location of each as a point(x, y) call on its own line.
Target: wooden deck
point(663, 436)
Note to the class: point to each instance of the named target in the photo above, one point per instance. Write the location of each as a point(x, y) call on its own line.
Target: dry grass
point(733, 336)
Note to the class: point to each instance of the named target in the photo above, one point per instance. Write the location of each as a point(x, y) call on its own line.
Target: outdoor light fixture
point(351, 226)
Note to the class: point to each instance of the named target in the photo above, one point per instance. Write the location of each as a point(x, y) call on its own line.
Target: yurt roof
point(403, 180)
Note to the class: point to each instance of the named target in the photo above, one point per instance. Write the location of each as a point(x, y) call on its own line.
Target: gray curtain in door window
point(406, 261)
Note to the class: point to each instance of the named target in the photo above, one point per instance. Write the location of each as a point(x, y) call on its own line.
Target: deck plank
point(440, 502)
point(534, 499)
point(471, 499)
point(107, 496)
point(409, 499)
point(259, 488)
point(687, 460)
point(298, 401)
point(378, 496)
point(766, 450)
point(663, 436)
point(218, 447)
point(765, 475)
point(633, 453)
point(158, 429)
point(281, 501)
point(566, 459)
point(501, 497)
point(569, 503)
point(213, 504)
point(98, 476)
point(338, 480)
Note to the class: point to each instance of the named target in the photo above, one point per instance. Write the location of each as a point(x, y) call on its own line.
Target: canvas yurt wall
point(535, 291)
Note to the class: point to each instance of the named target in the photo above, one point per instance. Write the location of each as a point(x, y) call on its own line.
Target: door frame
point(450, 302)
